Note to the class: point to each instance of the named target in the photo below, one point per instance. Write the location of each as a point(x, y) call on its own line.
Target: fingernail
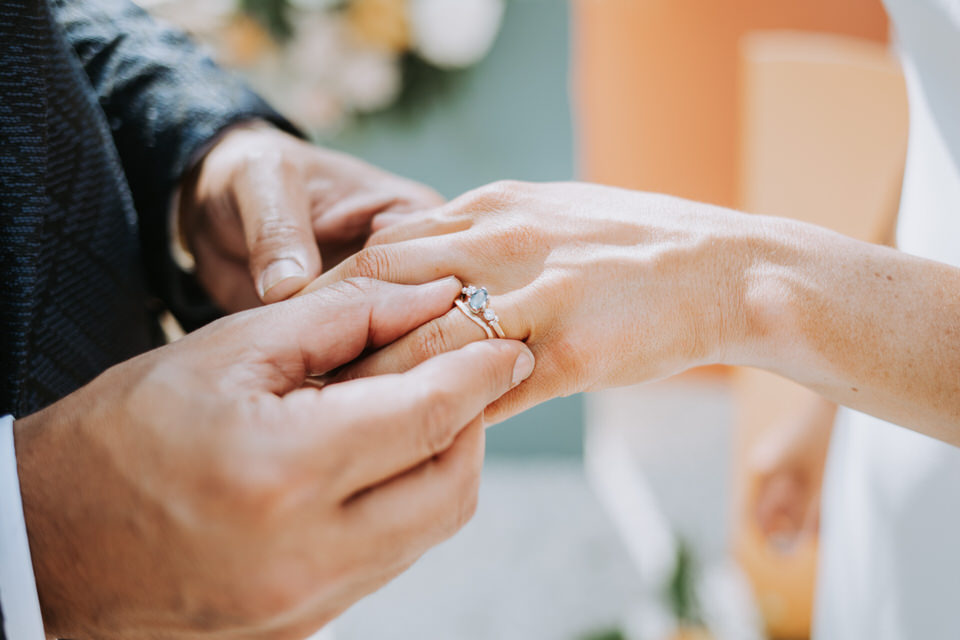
point(523, 367)
point(278, 271)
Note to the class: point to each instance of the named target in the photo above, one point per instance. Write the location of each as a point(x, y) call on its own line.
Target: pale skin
point(201, 490)
point(611, 287)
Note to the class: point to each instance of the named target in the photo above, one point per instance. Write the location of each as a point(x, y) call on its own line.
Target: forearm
point(870, 327)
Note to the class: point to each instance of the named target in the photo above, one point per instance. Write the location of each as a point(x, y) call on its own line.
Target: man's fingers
point(354, 216)
point(415, 415)
point(418, 509)
point(275, 210)
point(314, 333)
point(448, 332)
point(350, 217)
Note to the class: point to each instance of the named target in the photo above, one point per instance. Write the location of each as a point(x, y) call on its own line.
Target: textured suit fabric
point(101, 109)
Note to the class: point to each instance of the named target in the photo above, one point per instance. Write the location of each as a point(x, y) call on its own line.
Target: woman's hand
point(607, 286)
point(265, 212)
point(612, 287)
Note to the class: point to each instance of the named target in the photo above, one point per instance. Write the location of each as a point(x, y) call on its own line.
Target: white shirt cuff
point(18, 589)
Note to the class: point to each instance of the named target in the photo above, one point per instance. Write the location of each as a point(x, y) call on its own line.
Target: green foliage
point(681, 591)
point(424, 83)
point(606, 634)
point(274, 15)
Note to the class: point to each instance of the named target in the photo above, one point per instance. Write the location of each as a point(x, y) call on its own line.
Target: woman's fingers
point(412, 262)
point(450, 331)
point(416, 415)
point(390, 227)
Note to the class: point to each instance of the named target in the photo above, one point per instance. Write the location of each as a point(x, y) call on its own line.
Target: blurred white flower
point(370, 79)
point(455, 33)
point(318, 46)
point(327, 73)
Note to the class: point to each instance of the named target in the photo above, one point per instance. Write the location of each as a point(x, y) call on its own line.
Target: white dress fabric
point(890, 533)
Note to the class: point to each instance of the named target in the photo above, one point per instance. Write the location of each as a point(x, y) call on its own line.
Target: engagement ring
point(474, 302)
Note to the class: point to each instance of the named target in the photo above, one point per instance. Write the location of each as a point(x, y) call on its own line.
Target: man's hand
point(203, 490)
point(265, 212)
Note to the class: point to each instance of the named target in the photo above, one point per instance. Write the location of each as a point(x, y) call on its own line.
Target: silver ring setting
point(475, 303)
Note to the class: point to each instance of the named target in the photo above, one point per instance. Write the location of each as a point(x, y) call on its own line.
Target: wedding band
point(474, 302)
point(480, 323)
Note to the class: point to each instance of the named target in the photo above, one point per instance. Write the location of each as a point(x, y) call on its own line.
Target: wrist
point(30, 435)
point(727, 295)
point(45, 473)
point(769, 290)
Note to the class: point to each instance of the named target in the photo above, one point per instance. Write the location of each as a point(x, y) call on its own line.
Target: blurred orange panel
point(656, 85)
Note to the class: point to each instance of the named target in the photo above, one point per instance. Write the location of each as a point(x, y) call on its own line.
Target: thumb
point(275, 212)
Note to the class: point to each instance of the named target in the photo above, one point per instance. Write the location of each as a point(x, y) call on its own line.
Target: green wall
point(507, 118)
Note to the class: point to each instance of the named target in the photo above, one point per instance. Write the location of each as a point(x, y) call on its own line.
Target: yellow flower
point(381, 24)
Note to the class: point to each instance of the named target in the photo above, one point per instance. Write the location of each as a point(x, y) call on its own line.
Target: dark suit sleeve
point(163, 99)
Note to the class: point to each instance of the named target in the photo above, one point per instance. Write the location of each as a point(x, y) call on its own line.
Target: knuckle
point(459, 514)
point(437, 431)
point(354, 286)
point(276, 232)
point(506, 188)
point(242, 498)
point(469, 498)
point(432, 339)
point(573, 367)
point(494, 372)
point(257, 160)
point(373, 262)
point(264, 601)
point(494, 196)
point(251, 489)
point(463, 502)
point(517, 241)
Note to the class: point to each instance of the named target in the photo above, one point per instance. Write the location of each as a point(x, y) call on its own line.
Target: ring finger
point(450, 331)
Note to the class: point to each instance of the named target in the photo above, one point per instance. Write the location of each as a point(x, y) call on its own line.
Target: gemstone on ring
point(478, 300)
point(473, 302)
